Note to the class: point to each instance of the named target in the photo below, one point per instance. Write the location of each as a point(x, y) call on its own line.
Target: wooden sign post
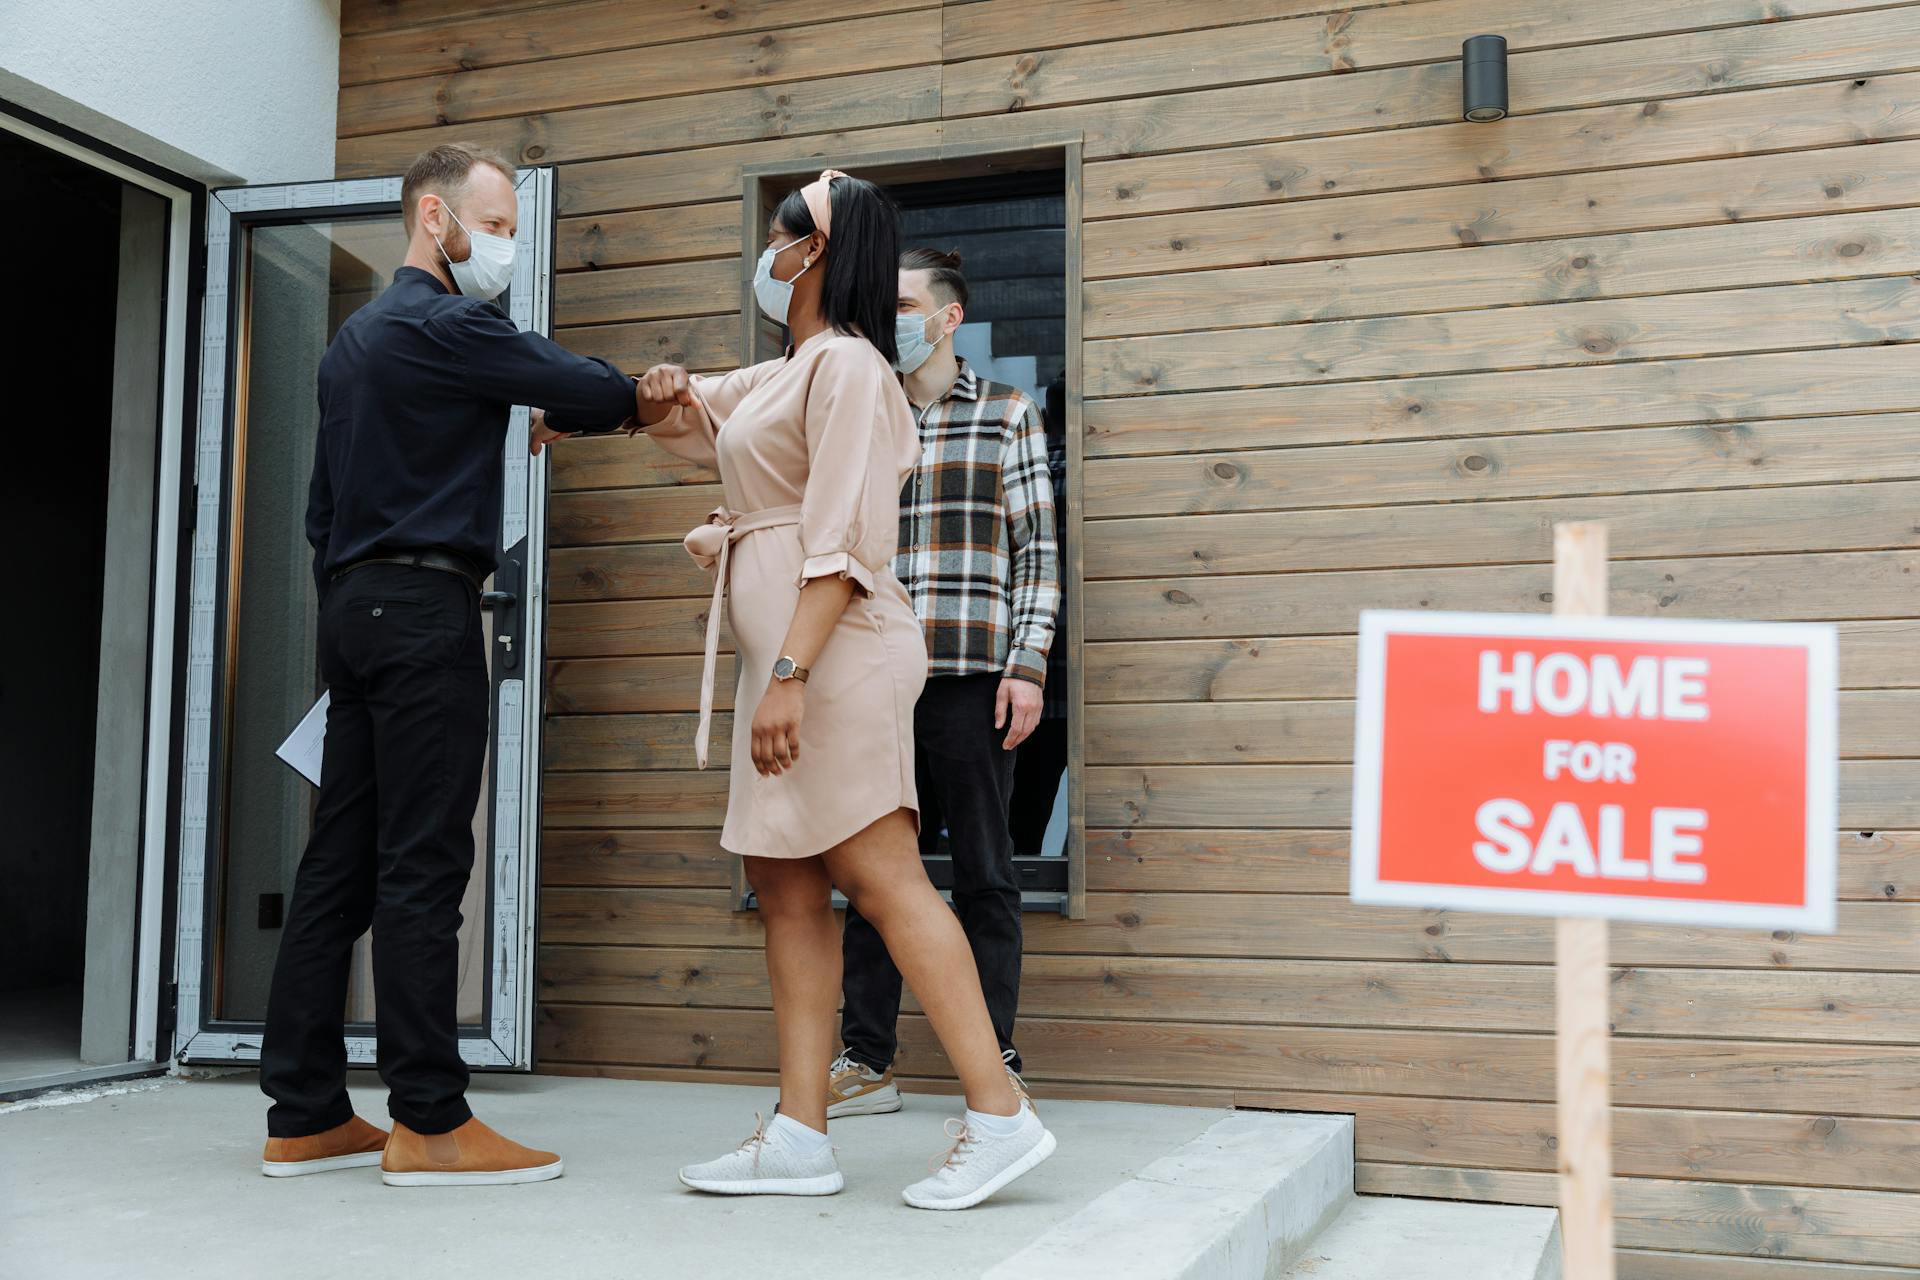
point(1594, 768)
point(1582, 991)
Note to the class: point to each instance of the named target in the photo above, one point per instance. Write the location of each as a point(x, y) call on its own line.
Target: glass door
point(286, 266)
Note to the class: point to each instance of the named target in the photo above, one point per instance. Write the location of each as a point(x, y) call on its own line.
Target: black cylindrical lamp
point(1483, 78)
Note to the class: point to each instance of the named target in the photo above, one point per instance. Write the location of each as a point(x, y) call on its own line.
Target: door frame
point(504, 1038)
point(148, 1032)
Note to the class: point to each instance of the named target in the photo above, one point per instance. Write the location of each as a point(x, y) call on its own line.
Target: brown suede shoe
point(352, 1145)
point(470, 1155)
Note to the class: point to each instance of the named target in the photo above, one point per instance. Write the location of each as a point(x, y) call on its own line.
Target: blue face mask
point(910, 340)
point(775, 296)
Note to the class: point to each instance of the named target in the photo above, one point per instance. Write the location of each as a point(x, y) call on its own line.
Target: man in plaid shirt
point(978, 554)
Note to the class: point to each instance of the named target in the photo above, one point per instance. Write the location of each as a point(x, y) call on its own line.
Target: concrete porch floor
point(163, 1181)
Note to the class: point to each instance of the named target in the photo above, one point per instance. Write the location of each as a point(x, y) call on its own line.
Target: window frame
point(758, 341)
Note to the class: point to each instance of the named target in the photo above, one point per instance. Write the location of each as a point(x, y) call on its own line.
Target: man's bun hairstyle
point(944, 277)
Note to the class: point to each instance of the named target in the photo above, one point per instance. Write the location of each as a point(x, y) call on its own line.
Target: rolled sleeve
point(837, 564)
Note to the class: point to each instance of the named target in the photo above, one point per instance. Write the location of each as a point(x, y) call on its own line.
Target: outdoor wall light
point(1483, 78)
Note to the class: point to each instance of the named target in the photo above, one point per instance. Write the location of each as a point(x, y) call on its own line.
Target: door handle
point(504, 605)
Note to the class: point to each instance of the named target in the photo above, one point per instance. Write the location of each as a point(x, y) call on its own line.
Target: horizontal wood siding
point(1341, 350)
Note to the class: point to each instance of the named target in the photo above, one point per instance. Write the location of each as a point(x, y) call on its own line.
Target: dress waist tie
point(711, 546)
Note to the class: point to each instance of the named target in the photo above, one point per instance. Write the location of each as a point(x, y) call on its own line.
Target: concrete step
point(1239, 1202)
point(1385, 1238)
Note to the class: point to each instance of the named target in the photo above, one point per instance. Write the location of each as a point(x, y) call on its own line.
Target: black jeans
point(401, 649)
point(965, 779)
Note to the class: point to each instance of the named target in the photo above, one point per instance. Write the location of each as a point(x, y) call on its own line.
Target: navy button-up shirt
point(415, 390)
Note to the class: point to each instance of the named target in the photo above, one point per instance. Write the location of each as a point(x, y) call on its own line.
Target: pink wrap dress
point(812, 452)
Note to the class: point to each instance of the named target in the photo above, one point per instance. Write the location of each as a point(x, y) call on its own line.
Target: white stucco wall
point(221, 90)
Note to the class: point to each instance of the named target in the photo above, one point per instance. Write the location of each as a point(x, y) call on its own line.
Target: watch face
point(783, 669)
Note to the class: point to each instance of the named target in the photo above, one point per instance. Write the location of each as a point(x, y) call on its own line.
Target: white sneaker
point(977, 1165)
point(764, 1165)
point(855, 1089)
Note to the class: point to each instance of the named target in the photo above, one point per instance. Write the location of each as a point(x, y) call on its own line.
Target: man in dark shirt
point(404, 517)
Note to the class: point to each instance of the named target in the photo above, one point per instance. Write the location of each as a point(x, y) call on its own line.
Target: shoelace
point(954, 1155)
point(758, 1141)
point(842, 1063)
point(1006, 1060)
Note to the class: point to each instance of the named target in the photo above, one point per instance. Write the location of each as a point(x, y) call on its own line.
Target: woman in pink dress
point(812, 450)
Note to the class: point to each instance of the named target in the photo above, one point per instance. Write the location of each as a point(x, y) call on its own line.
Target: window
point(1015, 221)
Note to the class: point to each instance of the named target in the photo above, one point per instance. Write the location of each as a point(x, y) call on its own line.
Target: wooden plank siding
point(1339, 350)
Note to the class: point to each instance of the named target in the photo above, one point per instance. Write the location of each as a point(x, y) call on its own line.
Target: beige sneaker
point(471, 1155)
point(856, 1089)
point(351, 1145)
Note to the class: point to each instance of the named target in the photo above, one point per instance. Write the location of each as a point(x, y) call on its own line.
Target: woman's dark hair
point(944, 277)
point(861, 293)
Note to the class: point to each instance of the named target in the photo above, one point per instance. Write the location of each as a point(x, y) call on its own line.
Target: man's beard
point(456, 245)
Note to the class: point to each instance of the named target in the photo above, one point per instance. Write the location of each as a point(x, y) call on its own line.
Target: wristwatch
point(787, 669)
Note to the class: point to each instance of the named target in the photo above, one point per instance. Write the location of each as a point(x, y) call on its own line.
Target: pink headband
point(820, 201)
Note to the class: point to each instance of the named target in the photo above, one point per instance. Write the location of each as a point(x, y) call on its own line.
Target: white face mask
point(911, 341)
point(775, 296)
point(488, 268)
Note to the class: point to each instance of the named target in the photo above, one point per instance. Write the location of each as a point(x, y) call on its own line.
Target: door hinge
point(169, 1010)
point(190, 510)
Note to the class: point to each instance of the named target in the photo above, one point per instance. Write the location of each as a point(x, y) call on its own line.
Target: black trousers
point(402, 651)
point(965, 779)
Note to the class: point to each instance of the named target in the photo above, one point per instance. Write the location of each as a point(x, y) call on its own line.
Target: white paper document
point(304, 746)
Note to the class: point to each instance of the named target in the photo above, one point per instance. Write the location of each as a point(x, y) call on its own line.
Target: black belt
point(443, 561)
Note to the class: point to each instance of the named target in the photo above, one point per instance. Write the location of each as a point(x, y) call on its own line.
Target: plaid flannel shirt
point(977, 536)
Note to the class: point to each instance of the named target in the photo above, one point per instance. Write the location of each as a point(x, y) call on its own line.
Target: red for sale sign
point(1633, 768)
